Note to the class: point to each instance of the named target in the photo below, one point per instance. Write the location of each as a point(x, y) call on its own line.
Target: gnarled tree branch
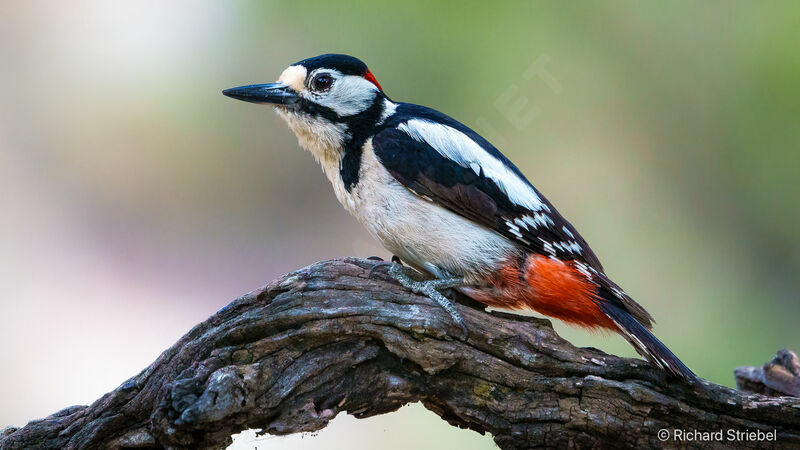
point(339, 336)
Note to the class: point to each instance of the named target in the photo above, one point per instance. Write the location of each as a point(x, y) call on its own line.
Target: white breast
point(420, 232)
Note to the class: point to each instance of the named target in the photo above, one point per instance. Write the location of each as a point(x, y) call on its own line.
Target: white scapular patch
point(348, 95)
point(459, 148)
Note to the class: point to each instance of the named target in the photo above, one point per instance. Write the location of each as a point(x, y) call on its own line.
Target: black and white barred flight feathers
point(340, 113)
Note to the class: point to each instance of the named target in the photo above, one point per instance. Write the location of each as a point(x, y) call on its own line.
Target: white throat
point(317, 135)
point(326, 140)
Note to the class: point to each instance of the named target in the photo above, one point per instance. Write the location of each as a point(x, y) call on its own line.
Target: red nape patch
point(371, 78)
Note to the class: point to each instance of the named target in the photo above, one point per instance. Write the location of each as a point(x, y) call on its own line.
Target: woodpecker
point(448, 204)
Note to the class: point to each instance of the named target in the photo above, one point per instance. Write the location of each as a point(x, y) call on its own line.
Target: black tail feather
point(645, 343)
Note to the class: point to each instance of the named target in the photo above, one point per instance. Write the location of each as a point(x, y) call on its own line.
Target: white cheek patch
point(459, 148)
point(294, 77)
point(348, 96)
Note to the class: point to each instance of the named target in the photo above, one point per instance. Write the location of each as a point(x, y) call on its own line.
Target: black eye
point(322, 82)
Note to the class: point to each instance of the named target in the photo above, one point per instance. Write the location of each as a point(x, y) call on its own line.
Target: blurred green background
point(137, 200)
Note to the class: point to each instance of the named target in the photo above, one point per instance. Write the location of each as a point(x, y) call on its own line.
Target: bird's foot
point(431, 289)
point(383, 264)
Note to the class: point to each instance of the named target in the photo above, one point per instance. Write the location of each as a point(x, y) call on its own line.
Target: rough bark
point(339, 336)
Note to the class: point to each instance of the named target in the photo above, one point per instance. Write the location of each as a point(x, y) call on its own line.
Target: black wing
point(467, 190)
point(472, 194)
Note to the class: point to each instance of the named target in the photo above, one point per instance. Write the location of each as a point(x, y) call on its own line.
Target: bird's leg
point(431, 289)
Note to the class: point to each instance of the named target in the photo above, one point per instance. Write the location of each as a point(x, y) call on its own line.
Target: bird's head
point(324, 99)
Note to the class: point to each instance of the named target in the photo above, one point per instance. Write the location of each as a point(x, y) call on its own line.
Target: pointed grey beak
point(270, 93)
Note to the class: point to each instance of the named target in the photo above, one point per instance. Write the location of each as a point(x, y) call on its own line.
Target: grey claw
point(379, 266)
